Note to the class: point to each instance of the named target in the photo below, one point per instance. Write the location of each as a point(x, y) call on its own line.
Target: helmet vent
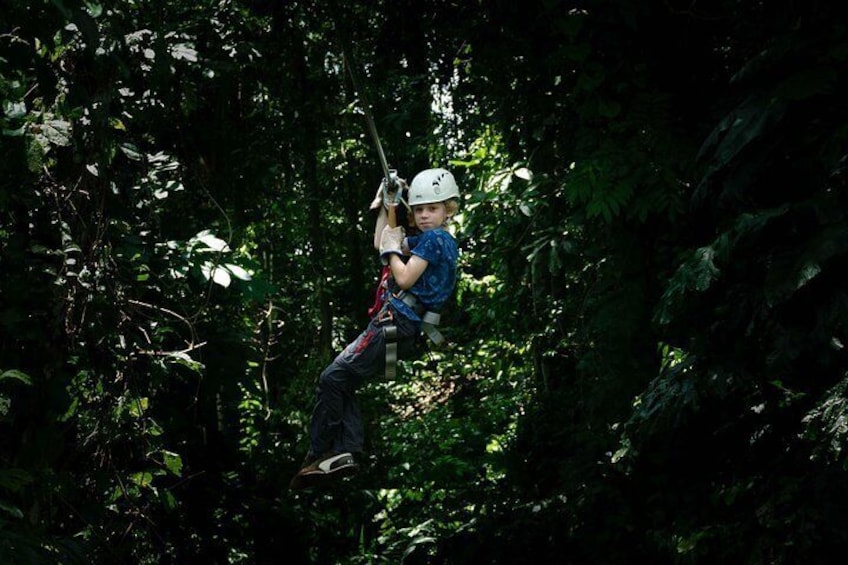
point(437, 183)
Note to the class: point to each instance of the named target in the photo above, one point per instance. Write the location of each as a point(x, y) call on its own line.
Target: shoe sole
point(318, 478)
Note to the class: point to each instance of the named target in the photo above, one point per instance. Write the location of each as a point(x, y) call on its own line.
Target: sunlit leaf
point(238, 272)
point(34, 154)
point(416, 542)
point(13, 109)
point(95, 10)
point(57, 132)
point(184, 51)
point(221, 276)
point(138, 406)
point(173, 462)
point(131, 151)
point(142, 479)
point(523, 173)
point(212, 242)
point(184, 359)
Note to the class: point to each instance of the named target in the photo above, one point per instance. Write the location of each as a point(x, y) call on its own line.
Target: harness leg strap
point(390, 335)
point(429, 321)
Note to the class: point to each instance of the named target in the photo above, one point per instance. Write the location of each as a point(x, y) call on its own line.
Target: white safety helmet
point(432, 185)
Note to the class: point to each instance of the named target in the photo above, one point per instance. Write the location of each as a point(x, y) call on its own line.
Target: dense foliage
point(647, 359)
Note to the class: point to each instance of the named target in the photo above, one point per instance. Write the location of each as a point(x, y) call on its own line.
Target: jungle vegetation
point(647, 356)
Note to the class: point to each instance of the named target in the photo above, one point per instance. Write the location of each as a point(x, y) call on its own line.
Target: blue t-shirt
point(436, 283)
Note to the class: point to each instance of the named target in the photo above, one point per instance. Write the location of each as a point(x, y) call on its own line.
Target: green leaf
point(184, 359)
point(184, 51)
point(14, 132)
point(173, 462)
point(168, 500)
point(131, 151)
point(221, 276)
point(523, 173)
point(14, 109)
point(142, 478)
point(95, 10)
point(72, 409)
point(13, 510)
point(34, 155)
point(738, 129)
point(57, 132)
point(138, 407)
point(416, 542)
point(238, 272)
point(17, 375)
point(212, 242)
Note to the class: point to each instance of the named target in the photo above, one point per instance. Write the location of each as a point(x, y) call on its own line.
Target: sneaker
point(330, 465)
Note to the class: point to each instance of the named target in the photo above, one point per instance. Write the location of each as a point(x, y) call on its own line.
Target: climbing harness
point(429, 321)
point(390, 339)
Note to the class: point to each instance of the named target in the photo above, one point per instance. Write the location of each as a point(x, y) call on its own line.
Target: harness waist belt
point(429, 320)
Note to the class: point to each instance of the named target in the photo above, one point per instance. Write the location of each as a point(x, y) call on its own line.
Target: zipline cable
point(391, 180)
point(353, 70)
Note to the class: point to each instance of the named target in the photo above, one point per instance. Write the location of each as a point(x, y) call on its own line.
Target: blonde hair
point(451, 208)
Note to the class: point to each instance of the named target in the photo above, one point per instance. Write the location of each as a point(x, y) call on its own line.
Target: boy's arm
point(382, 221)
point(406, 274)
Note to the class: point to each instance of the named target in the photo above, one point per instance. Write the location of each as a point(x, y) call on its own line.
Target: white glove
point(378, 198)
point(390, 242)
point(384, 196)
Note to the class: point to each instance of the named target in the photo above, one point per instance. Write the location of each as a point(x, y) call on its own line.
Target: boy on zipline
point(417, 288)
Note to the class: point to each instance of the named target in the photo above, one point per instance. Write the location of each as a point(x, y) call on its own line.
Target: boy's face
point(430, 216)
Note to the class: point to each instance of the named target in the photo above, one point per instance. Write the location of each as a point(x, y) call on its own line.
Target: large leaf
point(212, 242)
point(14, 374)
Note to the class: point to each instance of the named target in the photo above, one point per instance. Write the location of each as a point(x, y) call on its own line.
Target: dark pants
point(336, 420)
